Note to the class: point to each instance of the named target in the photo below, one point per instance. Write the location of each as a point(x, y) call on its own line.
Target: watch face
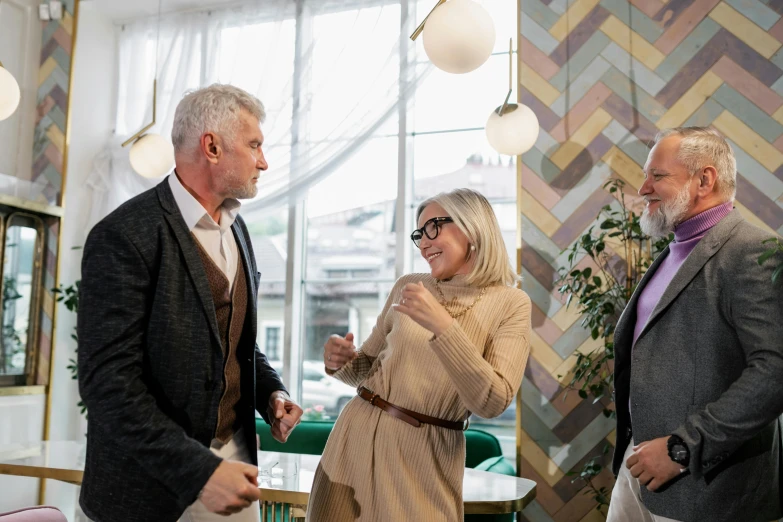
point(679, 452)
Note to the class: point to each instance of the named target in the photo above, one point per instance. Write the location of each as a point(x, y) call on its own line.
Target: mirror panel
point(22, 258)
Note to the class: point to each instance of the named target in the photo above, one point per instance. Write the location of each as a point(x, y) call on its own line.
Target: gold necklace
point(454, 315)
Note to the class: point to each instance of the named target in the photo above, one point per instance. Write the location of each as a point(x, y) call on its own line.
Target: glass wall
point(350, 242)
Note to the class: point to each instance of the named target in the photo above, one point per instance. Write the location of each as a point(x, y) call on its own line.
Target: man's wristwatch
point(678, 451)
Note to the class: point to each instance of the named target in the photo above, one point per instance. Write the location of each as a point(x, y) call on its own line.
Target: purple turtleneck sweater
point(686, 236)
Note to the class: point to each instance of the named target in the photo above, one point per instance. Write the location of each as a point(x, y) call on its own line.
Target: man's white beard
point(237, 189)
point(661, 222)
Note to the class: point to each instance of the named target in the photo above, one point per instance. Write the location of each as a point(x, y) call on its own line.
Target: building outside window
point(346, 242)
point(273, 341)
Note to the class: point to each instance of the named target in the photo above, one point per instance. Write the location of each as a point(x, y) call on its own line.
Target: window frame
point(294, 328)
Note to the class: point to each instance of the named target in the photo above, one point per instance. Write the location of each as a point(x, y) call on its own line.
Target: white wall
point(22, 421)
point(21, 417)
point(20, 49)
point(93, 93)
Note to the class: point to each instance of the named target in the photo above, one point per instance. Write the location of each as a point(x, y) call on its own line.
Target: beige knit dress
point(378, 468)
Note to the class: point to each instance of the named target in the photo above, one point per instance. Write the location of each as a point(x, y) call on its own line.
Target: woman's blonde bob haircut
point(474, 216)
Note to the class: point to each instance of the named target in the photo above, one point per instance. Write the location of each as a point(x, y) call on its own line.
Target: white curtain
point(349, 85)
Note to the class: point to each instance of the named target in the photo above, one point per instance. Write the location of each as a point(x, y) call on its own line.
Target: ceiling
point(123, 10)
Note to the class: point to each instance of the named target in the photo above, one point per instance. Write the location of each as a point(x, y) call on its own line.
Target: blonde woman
point(447, 344)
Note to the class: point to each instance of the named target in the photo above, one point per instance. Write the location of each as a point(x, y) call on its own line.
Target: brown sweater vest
point(230, 311)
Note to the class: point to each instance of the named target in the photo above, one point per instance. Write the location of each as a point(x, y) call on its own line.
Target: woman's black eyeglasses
point(431, 228)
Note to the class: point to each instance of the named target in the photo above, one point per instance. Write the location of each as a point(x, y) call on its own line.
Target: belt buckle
point(373, 397)
point(466, 424)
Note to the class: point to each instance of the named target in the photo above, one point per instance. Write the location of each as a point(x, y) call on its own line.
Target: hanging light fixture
point(512, 128)
point(9, 93)
point(151, 155)
point(458, 35)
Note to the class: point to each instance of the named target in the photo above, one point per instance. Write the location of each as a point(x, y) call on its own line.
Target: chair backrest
point(34, 514)
point(310, 438)
point(479, 446)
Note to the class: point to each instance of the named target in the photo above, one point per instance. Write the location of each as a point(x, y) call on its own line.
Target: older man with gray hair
point(169, 367)
point(699, 351)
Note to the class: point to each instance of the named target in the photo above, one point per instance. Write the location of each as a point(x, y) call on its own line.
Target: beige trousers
point(235, 449)
point(626, 504)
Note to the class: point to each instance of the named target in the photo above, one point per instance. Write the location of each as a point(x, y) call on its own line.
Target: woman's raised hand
point(338, 351)
point(419, 304)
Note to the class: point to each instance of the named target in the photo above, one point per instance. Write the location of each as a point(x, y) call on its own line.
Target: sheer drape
point(350, 82)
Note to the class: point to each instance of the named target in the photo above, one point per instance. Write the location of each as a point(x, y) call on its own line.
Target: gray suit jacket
point(151, 362)
point(708, 366)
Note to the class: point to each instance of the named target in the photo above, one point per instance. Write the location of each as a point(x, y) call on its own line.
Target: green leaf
point(583, 394)
point(587, 272)
point(776, 274)
point(609, 223)
point(766, 255)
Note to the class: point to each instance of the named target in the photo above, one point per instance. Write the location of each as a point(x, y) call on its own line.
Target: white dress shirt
point(217, 239)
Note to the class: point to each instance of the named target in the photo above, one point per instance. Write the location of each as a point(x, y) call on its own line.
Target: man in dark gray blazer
point(169, 367)
point(699, 351)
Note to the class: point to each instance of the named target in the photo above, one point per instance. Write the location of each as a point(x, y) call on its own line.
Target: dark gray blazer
point(151, 363)
point(708, 366)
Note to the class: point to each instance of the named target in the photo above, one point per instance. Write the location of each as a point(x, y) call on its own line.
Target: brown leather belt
point(411, 417)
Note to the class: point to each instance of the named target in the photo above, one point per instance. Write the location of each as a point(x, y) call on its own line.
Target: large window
point(349, 258)
point(347, 246)
point(449, 150)
point(269, 236)
point(273, 342)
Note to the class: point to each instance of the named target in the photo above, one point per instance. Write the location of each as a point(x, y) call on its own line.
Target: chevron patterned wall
point(603, 77)
point(50, 128)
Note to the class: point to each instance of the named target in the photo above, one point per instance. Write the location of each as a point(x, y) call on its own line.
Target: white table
point(285, 479)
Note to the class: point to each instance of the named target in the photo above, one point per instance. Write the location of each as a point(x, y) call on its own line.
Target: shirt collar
point(702, 222)
point(194, 213)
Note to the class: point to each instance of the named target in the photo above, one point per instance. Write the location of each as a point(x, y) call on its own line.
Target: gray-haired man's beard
point(662, 221)
point(247, 191)
point(239, 190)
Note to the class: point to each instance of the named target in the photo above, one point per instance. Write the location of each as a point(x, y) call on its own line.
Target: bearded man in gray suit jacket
point(169, 367)
point(699, 351)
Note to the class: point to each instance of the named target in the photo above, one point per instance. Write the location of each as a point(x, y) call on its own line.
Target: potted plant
point(69, 296)
point(618, 254)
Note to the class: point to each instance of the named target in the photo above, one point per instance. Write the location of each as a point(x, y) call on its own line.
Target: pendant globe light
point(458, 35)
point(512, 128)
point(151, 155)
point(9, 93)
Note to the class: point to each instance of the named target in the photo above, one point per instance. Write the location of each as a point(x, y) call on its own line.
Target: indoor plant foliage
point(775, 247)
point(620, 253)
point(11, 339)
point(69, 296)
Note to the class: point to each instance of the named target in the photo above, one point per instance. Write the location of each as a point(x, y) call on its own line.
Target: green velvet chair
point(482, 452)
